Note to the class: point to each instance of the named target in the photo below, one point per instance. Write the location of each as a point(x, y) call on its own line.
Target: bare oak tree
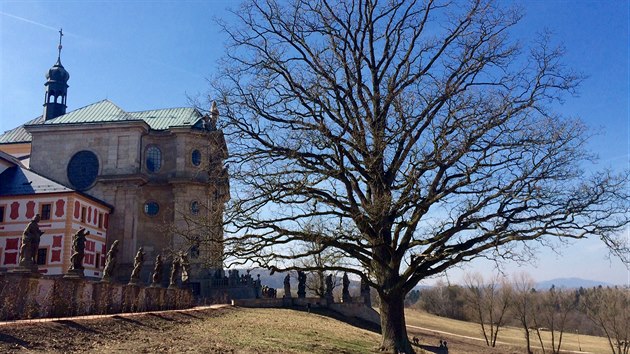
point(418, 132)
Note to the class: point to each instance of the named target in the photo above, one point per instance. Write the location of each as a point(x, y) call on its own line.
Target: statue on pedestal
point(258, 287)
point(156, 278)
point(174, 270)
point(365, 293)
point(185, 264)
point(110, 262)
point(345, 293)
point(30, 244)
point(78, 251)
point(301, 284)
point(138, 261)
point(287, 286)
point(329, 288)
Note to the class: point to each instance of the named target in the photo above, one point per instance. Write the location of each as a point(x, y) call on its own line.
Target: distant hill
point(570, 283)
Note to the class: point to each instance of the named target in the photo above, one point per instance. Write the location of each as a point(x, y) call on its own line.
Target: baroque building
point(160, 170)
point(63, 211)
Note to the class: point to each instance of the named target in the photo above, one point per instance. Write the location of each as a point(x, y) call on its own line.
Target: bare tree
point(419, 133)
point(550, 314)
point(489, 301)
point(196, 231)
point(444, 299)
point(317, 262)
point(522, 303)
point(609, 308)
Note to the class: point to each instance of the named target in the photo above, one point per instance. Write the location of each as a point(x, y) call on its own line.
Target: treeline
point(498, 302)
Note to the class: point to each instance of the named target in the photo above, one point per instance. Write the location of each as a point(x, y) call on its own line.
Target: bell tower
point(56, 87)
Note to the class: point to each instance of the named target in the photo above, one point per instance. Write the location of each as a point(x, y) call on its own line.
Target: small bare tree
point(316, 266)
point(489, 302)
point(523, 302)
point(609, 308)
point(550, 314)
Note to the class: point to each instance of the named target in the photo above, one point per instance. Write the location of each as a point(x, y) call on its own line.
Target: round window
point(194, 207)
point(154, 158)
point(196, 157)
point(151, 208)
point(83, 169)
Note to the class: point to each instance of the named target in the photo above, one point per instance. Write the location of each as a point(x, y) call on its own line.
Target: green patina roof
point(106, 111)
point(162, 119)
point(103, 111)
point(19, 134)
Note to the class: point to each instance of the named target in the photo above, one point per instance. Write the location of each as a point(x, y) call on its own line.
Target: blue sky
point(155, 54)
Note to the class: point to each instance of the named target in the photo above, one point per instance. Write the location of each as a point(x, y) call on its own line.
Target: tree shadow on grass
point(187, 314)
point(5, 338)
point(353, 321)
point(161, 317)
point(433, 349)
point(76, 326)
point(134, 322)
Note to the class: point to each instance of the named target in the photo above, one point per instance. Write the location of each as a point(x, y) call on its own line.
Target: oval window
point(151, 208)
point(196, 157)
point(83, 169)
point(154, 158)
point(194, 207)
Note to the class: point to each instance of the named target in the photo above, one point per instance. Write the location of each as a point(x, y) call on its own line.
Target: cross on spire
point(59, 47)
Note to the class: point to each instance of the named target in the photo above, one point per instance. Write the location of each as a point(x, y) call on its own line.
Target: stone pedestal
point(75, 274)
point(26, 269)
point(130, 298)
point(134, 281)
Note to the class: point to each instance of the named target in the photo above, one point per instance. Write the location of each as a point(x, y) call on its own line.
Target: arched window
point(151, 208)
point(195, 157)
point(153, 158)
point(83, 169)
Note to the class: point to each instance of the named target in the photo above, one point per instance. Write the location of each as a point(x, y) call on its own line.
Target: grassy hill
point(246, 330)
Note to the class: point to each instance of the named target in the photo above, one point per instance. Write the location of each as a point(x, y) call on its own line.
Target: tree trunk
point(393, 326)
point(529, 346)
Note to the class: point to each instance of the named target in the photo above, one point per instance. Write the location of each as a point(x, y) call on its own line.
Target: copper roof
point(105, 111)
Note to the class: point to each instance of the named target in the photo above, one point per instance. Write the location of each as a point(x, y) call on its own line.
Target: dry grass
point(509, 335)
point(245, 330)
point(281, 330)
point(223, 330)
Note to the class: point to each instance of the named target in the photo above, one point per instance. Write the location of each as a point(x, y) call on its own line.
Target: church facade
point(160, 170)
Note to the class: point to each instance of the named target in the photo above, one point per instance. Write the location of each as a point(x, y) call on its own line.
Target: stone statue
point(287, 286)
point(301, 284)
point(110, 262)
point(156, 278)
point(365, 292)
point(258, 287)
point(185, 263)
point(345, 293)
point(329, 287)
point(30, 244)
point(78, 250)
point(138, 261)
point(174, 270)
